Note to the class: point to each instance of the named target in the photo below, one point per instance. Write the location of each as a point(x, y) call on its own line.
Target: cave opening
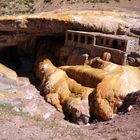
point(22, 57)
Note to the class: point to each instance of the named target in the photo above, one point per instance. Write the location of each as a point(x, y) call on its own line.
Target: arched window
point(75, 38)
point(114, 44)
point(123, 48)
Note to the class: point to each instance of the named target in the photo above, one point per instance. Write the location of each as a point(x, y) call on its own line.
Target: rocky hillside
point(12, 7)
point(102, 95)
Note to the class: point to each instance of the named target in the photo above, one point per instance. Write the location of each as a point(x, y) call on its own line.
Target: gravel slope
point(20, 126)
point(12, 7)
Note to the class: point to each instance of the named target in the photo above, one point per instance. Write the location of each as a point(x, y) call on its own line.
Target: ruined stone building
point(80, 46)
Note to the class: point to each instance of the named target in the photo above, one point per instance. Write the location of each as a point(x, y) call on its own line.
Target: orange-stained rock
point(104, 65)
point(85, 75)
point(63, 92)
point(52, 23)
point(55, 87)
point(77, 90)
point(110, 93)
point(112, 84)
point(40, 65)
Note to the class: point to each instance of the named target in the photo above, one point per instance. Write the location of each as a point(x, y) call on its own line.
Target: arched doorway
point(115, 44)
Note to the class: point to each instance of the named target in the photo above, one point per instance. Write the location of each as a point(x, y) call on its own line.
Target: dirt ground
point(123, 5)
point(21, 126)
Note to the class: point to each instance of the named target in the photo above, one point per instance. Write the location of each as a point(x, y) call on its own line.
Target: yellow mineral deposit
point(112, 83)
point(63, 92)
point(95, 89)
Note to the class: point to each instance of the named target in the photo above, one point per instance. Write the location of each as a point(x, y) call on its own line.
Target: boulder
point(8, 79)
point(78, 110)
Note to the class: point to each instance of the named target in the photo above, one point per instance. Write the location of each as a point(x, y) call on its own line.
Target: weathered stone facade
point(96, 44)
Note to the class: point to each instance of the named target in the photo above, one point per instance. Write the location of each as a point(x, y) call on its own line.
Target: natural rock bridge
point(25, 39)
point(56, 23)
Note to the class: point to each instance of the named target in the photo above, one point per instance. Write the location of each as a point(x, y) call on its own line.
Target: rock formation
point(68, 88)
point(63, 92)
point(85, 75)
point(23, 96)
point(112, 84)
point(18, 29)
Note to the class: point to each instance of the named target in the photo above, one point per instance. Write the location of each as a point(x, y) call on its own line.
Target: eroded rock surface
point(17, 29)
point(64, 93)
point(70, 89)
point(85, 75)
point(23, 96)
point(112, 84)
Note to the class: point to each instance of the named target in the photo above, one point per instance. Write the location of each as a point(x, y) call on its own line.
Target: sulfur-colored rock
point(64, 93)
point(112, 84)
point(104, 65)
point(77, 90)
point(110, 93)
point(85, 75)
